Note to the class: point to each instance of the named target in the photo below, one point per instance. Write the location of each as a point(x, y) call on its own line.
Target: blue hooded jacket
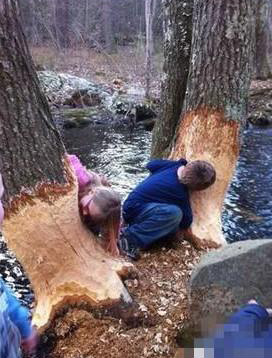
point(14, 323)
point(247, 334)
point(161, 186)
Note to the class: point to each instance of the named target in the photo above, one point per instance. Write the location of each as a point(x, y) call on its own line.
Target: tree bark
point(263, 37)
point(177, 48)
point(42, 225)
point(215, 104)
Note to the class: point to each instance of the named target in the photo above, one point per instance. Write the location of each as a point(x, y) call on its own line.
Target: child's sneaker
point(128, 248)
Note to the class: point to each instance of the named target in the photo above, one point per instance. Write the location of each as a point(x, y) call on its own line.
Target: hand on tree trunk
point(198, 244)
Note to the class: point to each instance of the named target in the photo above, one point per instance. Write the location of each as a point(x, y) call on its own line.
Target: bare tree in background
point(263, 37)
point(150, 7)
point(90, 22)
point(86, 16)
point(108, 26)
point(63, 21)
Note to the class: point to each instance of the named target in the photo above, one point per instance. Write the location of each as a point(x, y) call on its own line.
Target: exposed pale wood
point(207, 135)
point(64, 262)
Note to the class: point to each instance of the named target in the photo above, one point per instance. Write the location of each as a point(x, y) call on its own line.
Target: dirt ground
point(160, 290)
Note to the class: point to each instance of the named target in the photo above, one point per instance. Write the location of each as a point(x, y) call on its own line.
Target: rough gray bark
point(220, 68)
point(30, 145)
point(263, 36)
point(177, 48)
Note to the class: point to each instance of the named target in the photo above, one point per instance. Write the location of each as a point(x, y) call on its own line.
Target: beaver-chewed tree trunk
point(177, 31)
point(42, 224)
point(215, 104)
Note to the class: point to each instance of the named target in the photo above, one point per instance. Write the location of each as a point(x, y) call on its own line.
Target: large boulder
point(260, 103)
point(65, 89)
point(132, 105)
point(227, 278)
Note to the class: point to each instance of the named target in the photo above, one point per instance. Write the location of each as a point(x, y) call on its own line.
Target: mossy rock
point(260, 119)
point(63, 88)
point(72, 123)
point(147, 124)
point(131, 105)
point(78, 117)
point(79, 113)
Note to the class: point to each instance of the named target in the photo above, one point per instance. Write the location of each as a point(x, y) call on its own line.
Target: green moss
point(79, 113)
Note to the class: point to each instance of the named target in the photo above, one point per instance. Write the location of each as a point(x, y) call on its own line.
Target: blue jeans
point(153, 223)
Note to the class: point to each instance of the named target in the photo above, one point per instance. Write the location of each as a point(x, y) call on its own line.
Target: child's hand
point(187, 233)
point(29, 344)
point(198, 244)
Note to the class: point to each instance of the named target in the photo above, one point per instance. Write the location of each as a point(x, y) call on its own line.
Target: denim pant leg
point(154, 222)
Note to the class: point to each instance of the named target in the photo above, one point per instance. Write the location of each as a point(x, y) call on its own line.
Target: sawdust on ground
point(160, 290)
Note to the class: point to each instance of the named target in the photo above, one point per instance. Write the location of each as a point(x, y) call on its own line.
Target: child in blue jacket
point(160, 205)
point(15, 325)
point(247, 334)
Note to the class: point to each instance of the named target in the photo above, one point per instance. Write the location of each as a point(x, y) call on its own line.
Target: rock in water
point(227, 278)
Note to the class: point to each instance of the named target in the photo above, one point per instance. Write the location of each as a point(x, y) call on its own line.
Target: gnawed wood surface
point(64, 262)
point(206, 135)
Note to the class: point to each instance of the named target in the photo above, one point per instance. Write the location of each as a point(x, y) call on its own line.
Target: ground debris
point(161, 294)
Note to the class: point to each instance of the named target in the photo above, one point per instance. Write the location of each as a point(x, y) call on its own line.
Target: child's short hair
point(198, 175)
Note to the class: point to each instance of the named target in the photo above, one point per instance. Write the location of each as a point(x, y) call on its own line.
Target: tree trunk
point(63, 23)
point(263, 37)
point(177, 48)
point(42, 224)
point(86, 19)
point(215, 104)
point(150, 6)
point(108, 30)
